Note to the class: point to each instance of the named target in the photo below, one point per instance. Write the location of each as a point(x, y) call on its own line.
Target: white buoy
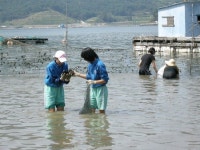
point(9, 42)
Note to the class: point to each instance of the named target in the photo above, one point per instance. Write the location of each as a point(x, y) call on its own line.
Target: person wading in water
point(145, 62)
point(97, 78)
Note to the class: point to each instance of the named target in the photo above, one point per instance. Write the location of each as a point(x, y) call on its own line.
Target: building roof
point(180, 3)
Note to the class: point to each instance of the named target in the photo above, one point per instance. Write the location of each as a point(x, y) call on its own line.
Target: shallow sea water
point(143, 113)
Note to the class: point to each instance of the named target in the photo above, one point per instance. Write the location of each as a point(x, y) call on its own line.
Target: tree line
point(106, 10)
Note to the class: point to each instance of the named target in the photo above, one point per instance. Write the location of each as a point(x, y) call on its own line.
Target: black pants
point(144, 72)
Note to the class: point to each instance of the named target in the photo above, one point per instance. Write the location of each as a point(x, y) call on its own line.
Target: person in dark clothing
point(171, 70)
point(145, 62)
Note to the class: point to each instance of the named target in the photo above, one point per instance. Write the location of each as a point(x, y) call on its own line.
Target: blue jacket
point(97, 71)
point(53, 74)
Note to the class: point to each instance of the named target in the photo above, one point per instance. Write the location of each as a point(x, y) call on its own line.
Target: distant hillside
point(27, 12)
point(41, 18)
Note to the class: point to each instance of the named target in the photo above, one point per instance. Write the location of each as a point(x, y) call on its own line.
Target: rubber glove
point(90, 82)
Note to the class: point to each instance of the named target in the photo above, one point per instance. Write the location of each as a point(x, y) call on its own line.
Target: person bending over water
point(53, 89)
point(145, 62)
point(169, 70)
point(97, 77)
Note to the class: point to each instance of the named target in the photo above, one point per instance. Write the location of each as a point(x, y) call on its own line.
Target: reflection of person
point(97, 77)
point(53, 90)
point(169, 70)
point(58, 134)
point(97, 131)
point(145, 62)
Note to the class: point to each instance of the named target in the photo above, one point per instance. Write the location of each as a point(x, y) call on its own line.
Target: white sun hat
point(171, 62)
point(61, 56)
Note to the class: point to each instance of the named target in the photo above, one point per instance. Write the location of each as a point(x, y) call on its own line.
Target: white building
point(179, 20)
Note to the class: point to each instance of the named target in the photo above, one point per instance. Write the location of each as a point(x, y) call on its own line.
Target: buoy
point(10, 42)
point(64, 41)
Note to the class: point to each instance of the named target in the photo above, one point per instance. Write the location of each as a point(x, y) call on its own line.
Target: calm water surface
point(144, 113)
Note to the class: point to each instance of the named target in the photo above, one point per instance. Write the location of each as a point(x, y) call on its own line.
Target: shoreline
point(79, 25)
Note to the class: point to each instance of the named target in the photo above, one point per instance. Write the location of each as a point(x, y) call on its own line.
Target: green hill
point(43, 12)
point(41, 18)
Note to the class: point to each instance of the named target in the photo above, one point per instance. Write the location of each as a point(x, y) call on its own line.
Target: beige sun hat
point(170, 62)
point(61, 56)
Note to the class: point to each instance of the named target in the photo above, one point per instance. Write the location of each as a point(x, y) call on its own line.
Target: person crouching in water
point(169, 70)
point(53, 89)
point(145, 62)
point(97, 77)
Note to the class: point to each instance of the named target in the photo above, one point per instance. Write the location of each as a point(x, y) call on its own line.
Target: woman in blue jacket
point(97, 77)
point(53, 89)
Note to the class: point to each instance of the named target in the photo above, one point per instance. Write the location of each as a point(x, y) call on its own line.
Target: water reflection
point(60, 136)
point(148, 83)
point(97, 133)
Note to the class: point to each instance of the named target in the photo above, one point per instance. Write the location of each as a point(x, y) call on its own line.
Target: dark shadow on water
point(148, 82)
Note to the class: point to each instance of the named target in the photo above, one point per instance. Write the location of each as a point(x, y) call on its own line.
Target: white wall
point(178, 11)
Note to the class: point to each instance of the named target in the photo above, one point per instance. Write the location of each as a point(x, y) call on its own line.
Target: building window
point(198, 19)
point(168, 21)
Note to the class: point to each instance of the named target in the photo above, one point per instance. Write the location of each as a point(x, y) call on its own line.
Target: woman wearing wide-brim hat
point(170, 70)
